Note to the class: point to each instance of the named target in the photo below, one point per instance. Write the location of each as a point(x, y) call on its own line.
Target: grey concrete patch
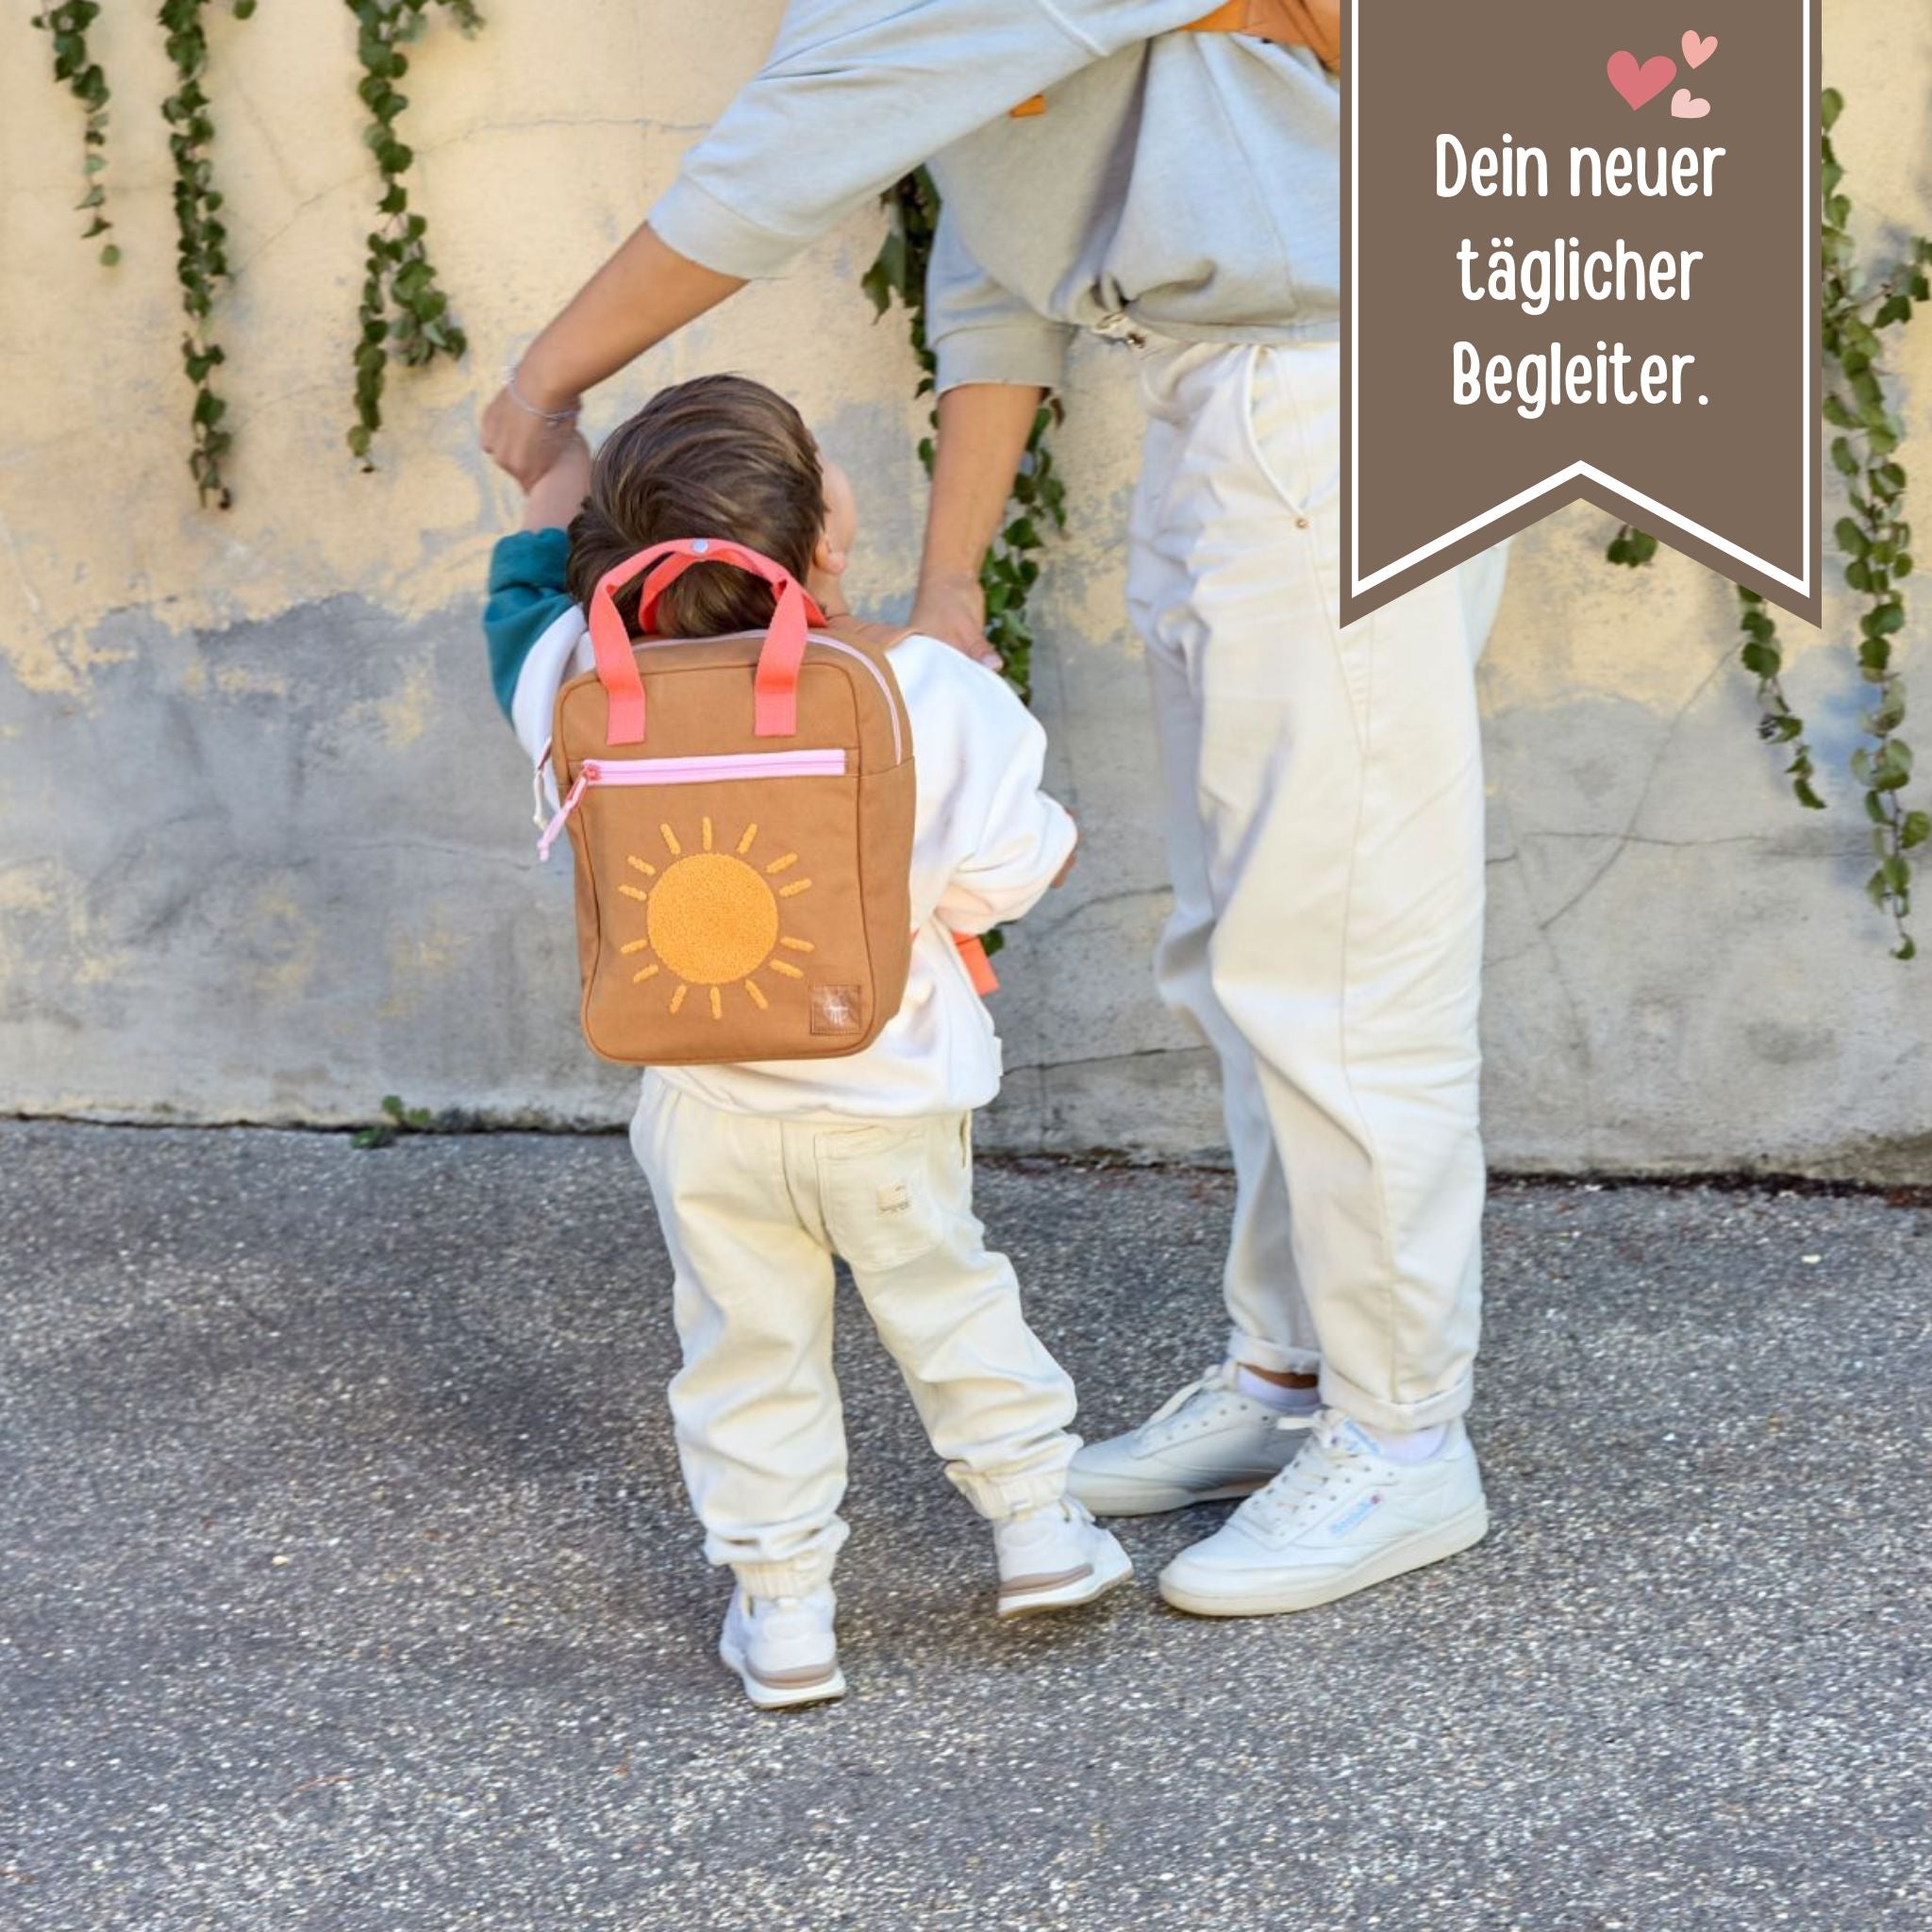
point(349, 1583)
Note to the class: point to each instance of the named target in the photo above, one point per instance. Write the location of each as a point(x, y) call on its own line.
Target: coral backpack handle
point(776, 706)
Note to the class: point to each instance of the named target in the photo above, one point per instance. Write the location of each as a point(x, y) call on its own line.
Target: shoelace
point(1217, 1381)
point(1326, 1460)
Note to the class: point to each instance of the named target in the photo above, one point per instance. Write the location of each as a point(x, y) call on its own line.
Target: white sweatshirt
point(987, 842)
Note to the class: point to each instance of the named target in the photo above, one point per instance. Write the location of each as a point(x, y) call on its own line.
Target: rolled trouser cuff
point(1257, 1353)
point(798, 1575)
point(1378, 1412)
point(999, 1497)
point(795, 1576)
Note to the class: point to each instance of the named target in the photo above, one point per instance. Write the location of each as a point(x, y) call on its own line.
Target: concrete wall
point(264, 842)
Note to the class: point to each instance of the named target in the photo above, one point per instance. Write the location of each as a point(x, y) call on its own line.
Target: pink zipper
point(699, 770)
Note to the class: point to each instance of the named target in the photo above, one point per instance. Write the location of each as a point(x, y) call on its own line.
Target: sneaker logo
point(1349, 1518)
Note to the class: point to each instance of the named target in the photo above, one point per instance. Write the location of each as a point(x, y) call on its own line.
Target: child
point(762, 1173)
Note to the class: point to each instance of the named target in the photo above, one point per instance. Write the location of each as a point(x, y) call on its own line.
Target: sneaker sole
point(768, 1696)
point(1448, 1538)
point(1094, 1584)
point(1124, 1496)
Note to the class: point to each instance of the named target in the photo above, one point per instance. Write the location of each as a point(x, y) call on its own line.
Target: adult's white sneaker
point(1054, 1558)
point(783, 1648)
point(1206, 1443)
point(1340, 1516)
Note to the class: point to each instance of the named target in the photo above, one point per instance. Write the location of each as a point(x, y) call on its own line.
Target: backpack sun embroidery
point(714, 919)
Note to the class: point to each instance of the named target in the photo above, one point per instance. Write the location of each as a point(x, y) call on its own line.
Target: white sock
point(1407, 1445)
point(1283, 1401)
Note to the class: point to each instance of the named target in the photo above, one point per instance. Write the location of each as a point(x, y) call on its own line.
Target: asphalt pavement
point(348, 1582)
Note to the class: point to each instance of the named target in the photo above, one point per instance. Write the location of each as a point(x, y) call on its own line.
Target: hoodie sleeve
point(536, 634)
point(855, 92)
point(1005, 839)
point(979, 330)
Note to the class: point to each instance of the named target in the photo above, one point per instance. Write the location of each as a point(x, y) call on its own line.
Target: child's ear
point(826, 561)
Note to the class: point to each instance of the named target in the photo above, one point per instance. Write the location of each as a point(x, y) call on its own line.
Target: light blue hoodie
point(1183, 184)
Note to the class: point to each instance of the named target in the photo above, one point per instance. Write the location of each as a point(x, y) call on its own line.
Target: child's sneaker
point(783, 1648)
point(1054, 1558)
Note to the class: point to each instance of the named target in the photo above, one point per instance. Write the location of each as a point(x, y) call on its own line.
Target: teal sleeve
point(527, 597)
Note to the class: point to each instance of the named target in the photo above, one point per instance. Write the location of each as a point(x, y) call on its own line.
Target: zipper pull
point(586, 775)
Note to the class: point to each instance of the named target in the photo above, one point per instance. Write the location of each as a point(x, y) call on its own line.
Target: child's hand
point(1059, 878)
point(558, 493)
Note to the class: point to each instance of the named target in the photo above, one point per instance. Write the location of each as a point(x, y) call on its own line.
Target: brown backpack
point(740, 811)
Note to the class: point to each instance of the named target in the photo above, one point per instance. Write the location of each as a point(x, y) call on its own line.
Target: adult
point(1178, 191)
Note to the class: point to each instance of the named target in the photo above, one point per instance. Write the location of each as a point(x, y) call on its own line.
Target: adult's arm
point(982, 432)
point(854, 93)
point(644, 293)
point(998, 358)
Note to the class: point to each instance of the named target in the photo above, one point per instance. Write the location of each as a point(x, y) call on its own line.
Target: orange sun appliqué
point(714, 919)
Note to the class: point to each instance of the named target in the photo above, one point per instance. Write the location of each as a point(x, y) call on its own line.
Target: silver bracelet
point(569, 415)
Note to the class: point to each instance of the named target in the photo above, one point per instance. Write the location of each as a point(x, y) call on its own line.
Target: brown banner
point(1580, 259)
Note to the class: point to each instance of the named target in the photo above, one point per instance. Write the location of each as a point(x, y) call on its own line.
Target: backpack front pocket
point(726, 768)
point(727, 911)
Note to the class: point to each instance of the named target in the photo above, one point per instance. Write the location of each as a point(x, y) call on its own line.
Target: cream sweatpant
point(1324, 819)
point(752, 1210)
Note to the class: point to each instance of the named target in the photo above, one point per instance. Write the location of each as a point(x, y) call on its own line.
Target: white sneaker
point(1055, 1557)
point(1207, 1442)
point(783, 1648)
point(1340, 1516)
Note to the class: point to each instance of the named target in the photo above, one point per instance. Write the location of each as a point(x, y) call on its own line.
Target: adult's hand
point(982, 432)
point(949, 606)
point(520, 440)
point(644, 293)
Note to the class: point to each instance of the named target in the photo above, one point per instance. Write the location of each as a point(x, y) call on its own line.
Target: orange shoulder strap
point(978, 967)
point(1312, 24)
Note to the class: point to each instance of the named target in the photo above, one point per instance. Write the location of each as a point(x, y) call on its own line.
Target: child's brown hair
point(719, 455)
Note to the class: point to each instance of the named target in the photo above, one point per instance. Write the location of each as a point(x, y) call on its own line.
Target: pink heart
point(1695, 51)
point(1639, 84)
point(1686, 107)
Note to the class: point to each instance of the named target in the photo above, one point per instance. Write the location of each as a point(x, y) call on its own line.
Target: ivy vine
point(405, 316)
point(201, 240)
point(1858, 311)
point(76, 67)
point(1012, 567)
